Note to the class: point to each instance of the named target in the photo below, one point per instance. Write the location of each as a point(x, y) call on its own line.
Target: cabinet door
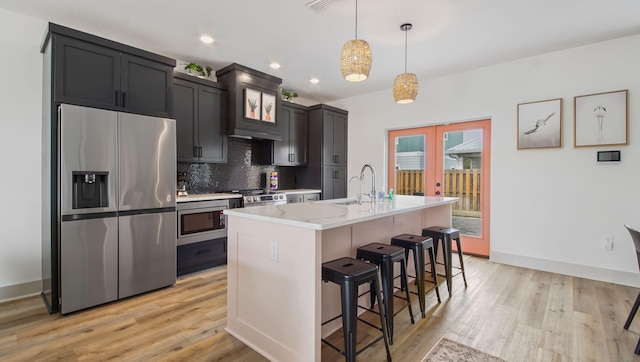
point(282, 149)
point(311, 197)
point(329, 156)
point(340, 138)
point(298, 137)
point(340, 182)
point(294, 198)
point(145, 86)
point(334, 182)
point(185, 102)
point(85, 74)
point(211, 128)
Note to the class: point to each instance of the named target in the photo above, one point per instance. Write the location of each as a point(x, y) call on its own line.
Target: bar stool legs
point(445, 237)
point(384, 256)
point(417, 244)
point(350, 273)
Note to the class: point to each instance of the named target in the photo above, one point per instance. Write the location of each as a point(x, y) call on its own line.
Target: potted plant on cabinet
point(288, 95)
point(199, 70)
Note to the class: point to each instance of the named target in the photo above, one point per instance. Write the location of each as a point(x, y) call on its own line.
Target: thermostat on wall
point(608, 156)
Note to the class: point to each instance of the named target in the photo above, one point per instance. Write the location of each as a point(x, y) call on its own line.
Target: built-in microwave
point(201, 221)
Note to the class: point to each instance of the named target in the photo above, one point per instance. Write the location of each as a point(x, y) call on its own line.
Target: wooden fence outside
point(464, 184)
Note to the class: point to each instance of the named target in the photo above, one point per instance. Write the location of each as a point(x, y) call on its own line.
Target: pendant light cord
point(356, 19)
point(405, 51)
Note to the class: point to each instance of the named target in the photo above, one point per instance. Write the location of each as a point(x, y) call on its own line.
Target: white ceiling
point(448, 36)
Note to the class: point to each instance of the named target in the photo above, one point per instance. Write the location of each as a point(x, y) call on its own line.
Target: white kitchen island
point(276, 300)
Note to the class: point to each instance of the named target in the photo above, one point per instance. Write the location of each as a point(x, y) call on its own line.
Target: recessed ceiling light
point(314, 80)
point(275, 65)
point(206, 39)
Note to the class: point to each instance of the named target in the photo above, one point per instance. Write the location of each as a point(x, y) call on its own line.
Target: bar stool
point(349, 274)
point(384, 256)
point(418, 245)
point(445, 235)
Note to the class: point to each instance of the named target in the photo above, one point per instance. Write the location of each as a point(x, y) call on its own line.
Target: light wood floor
point(514, 313)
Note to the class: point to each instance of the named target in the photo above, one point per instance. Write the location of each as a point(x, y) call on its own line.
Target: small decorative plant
point(197, 68)
point(267, 109)
point(253, 104)
point(288, 95)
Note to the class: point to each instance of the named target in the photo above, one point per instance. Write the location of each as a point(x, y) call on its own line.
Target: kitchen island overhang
point(276, 299)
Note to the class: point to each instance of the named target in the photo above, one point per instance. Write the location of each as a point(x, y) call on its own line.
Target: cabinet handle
point(195, 151)
point(335, 174)
point(293, 157)
point(124, 99)
point(205, 251)
point(199, 151)
point(116, 98)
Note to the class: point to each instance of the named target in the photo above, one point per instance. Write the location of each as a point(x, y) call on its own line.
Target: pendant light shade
point(405, 86)
point(355, 60)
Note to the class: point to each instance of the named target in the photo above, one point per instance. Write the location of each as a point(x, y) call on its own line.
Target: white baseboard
point(18, 291)
point(576, 270)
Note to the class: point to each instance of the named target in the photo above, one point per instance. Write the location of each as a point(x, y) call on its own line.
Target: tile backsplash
point(242, 171)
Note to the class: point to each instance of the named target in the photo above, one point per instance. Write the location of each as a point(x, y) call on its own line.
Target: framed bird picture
point(600, 119)
point(540, 124)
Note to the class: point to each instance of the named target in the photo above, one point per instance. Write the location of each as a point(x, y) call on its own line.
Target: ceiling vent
point(318, 6)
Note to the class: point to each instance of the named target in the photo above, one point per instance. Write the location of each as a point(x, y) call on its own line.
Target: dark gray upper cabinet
point(293, 124)
point(96, 72)
point(334, 146)
point(327, 165)
point(200, 110)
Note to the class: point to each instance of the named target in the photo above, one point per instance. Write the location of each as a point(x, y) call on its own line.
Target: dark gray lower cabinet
point(334, 182)
point(200, 110)
point(200, 256)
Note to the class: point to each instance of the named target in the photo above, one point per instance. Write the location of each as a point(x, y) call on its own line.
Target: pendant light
point(355, 61)
point(405, 87)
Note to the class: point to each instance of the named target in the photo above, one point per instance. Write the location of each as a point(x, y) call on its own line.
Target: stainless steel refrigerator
point(117, 205)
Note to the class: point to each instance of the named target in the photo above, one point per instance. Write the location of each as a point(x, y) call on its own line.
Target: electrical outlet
point(608, 243)
point(274, 251)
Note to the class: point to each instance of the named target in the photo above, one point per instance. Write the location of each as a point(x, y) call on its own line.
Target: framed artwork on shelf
point(600, 119)
point(540, 124)
point(252, 104)
point(268, 107)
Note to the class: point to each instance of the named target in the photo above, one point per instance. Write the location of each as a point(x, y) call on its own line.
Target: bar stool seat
point(418, 245)
point(445, 235)
point(384, 256)
point(349, 274)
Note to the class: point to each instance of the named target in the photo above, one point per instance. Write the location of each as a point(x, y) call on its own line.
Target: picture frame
point(268, 107)
point(600, 119)
point(252, 104)
point(540, 124)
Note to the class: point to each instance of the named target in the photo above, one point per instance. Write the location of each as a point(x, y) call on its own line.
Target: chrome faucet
point(372, 195)
point(359, 197)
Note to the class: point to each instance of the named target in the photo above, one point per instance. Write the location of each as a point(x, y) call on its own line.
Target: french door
point(452, 161)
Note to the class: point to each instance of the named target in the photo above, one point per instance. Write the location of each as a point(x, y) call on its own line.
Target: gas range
point(258, 197)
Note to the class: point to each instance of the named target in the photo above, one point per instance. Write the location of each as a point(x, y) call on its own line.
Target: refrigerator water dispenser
point(90, 189)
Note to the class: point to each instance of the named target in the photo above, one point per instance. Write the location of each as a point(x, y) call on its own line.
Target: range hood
point(247, 88)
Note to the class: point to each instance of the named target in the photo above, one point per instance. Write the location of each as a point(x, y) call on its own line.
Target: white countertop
point(328, 214)
point(206, 197)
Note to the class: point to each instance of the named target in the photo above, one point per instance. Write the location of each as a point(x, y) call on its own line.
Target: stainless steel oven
point(201, 221)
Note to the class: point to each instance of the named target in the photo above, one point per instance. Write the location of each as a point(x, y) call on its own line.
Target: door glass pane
point(462, 166)
point(410, 165)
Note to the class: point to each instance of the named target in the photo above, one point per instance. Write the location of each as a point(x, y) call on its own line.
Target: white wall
point(20, 139)
point(550, 208)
